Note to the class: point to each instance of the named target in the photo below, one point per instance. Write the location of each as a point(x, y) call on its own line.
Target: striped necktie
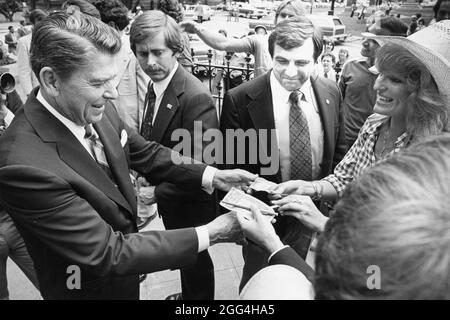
point(97, 150)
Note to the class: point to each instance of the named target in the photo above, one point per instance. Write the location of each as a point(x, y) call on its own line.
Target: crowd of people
point(359, 158)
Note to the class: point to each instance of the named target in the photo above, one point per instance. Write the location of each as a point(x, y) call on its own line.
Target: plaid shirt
point(362, 154)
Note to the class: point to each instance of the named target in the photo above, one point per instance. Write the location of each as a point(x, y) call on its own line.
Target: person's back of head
point(113, 13)
point(172, 8)
point(83, 6)
point(441, 13)
point(389, 26)
point(278, 282)
point(37, 15)
point(389, 237)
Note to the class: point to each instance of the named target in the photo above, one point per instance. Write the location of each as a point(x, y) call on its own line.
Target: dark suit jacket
point(250, 106)
point(289, 257)
point(70, 213)
point(185, 101)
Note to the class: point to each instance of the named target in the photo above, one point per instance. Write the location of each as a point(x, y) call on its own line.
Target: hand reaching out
point(259, 229)
point(226, 179)
point(304, 209)
point(299, 187)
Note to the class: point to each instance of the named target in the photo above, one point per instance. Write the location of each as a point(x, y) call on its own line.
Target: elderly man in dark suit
point(176, 101)
point(304, 111)
point(64, 173)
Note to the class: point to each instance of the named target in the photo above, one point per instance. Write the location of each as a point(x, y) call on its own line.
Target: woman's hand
point(299, 187)
point(259, 229)
point(302, 208)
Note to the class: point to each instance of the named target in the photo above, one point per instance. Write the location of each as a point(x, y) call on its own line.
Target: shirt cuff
point(203, 238)
point(275, 252)
point(8, 118)
point(207, 179)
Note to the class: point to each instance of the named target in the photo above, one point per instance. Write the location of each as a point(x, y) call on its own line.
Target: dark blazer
point(250, 106)
point(185, 101)
point(71, 214)
point(289, 257)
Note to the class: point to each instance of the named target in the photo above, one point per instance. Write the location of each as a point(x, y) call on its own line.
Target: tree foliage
point(9, 7)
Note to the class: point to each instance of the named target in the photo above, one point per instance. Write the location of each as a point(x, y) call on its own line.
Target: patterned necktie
point(97, 150)
point(300, 143)
point(147, 126)
point(325, 75)
point(297, 235)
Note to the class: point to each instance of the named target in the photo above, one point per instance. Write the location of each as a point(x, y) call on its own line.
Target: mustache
point(152, 69)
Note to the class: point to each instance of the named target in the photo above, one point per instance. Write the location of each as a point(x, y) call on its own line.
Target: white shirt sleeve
point(203, 238)
point(273, 253)
point(8, 118)
point(207, 179)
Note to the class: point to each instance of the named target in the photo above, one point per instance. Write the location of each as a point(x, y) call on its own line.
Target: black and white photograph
point(227, 154)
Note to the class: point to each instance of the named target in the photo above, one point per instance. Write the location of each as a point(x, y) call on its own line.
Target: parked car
point(245, 10)
point(266, 21)
point(191, 14)
point(258, 13)
point(331, 26)
point(221, 6)
point(267, 5)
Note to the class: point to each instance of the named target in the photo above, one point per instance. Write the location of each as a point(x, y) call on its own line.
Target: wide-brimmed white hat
point(431, 46)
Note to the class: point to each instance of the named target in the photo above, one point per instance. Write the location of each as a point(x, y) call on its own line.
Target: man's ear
point(50, 82)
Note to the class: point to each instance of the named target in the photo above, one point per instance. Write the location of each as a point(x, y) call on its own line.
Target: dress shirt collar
point(306, 89)
point(277, 88)
point(77, 130)
point(162, 85)
point(283, 94)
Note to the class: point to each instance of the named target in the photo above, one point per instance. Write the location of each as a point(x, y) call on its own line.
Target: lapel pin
point(169, 106)
point(327, 101)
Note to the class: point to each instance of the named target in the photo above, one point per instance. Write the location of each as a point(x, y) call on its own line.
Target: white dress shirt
point(160, 87)
point(280, 102)
point(79, 133)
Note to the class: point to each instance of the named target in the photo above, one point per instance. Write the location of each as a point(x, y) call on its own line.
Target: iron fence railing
point(221, 77)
